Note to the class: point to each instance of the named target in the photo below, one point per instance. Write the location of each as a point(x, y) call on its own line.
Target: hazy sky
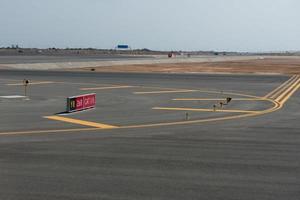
point(232, 25)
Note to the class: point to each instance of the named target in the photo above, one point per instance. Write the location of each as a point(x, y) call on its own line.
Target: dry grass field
point(284, 65)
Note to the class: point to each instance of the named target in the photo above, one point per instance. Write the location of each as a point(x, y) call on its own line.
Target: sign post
point(81, 102)
point(228, 99)
point(25, 83)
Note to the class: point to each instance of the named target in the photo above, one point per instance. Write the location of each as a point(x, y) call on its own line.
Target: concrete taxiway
point(151, 136)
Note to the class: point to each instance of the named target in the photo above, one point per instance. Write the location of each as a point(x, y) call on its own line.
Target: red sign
point(82, 102)
point(89, 101)
point(79, 103)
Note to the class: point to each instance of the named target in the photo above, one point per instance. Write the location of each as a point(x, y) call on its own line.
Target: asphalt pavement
point(30, 59)
point(248, 149)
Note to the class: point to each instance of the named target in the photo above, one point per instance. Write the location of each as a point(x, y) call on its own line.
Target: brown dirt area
point(268, 65)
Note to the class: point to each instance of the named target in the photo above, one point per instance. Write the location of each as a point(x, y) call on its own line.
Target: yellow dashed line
point(81, 122)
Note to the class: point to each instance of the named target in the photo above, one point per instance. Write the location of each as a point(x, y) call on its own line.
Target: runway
point(31, 59)
point(151, 136)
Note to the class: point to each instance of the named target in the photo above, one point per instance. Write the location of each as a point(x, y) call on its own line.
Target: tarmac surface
point(78, 62)
point(27, 59)
point(153, 136)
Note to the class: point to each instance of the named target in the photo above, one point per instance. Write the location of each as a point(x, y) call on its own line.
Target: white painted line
point(107, 88)
point(31, 83)
point(12, 97)
point(165, 92)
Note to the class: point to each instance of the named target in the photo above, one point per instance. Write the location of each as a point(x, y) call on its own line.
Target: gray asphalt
point(27, 59)
point(248, 158)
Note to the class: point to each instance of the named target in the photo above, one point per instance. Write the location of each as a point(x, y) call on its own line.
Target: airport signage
point(81, 102)
point(123, 46)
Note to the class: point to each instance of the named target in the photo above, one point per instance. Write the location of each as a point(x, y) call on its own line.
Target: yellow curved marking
point(282, 101)
point(288, 90)
point(277, 105)
point(204, 110)
point(284, 88)
point(272, 93)
point(273, 109)
point(220, 99)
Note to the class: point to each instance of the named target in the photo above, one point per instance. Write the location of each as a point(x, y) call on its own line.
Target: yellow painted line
point(81, 122)
point(107, 88)
point(49, 131)
point(290, 94)
point(285, 98)
point(170, 90)
point(276, 107)
point(284, 88)
point(289, 89)
point(228, 93)
point(81, 83)
point(280, 87)
point(31, 83)
point(219, 99)
point(203, 110)
point(165, 92)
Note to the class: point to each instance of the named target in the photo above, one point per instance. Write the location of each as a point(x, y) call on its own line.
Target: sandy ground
point(204, 64)
point(284, 65)
point(49, 64)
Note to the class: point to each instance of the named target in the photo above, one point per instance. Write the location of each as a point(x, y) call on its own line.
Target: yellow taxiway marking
point(192, 90)
point(282, 88)
point(166, 91)
point(276, 107)
point(81, 122)
point(272, 93)
point(49, 131)
point(289, 94)
point(204, 110)
point(107, 88)
point(220, 99)
point(272, 109)
point(288, 90)
point(31, 83)
point(278, 104)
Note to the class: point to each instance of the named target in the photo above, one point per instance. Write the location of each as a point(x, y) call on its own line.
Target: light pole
point(25, 84)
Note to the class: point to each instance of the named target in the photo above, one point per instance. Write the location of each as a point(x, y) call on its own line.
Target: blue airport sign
point(123, 46)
